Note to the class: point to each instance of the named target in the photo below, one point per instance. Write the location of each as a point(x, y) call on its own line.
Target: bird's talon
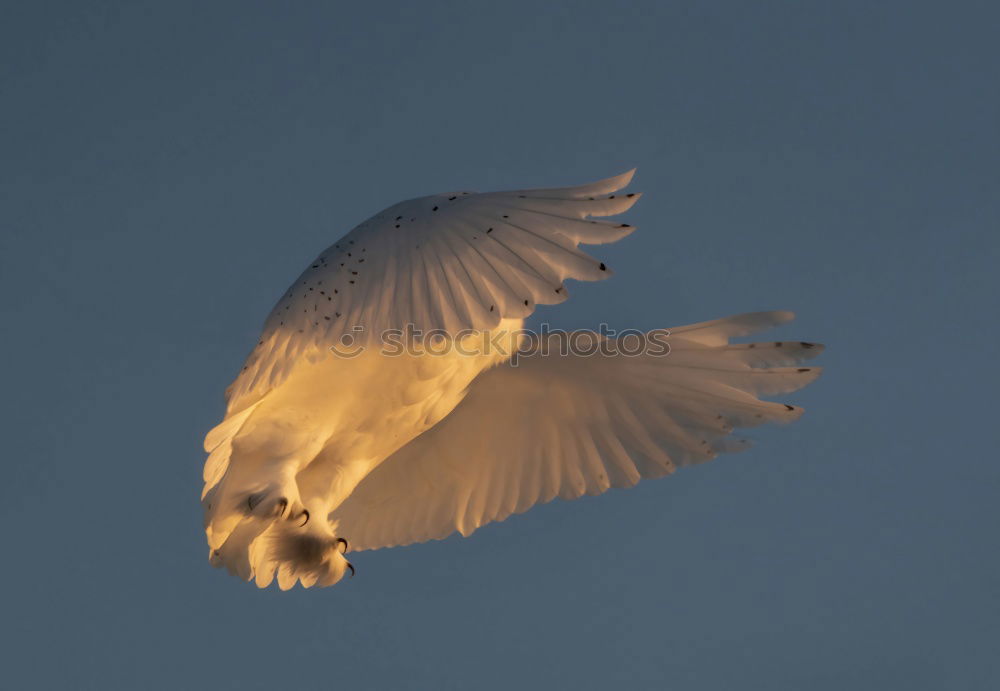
point(254, 500)
point(344, 543)
point(305, 512)
point(351, 567)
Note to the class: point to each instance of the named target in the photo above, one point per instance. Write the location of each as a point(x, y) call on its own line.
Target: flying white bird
point(347, 429)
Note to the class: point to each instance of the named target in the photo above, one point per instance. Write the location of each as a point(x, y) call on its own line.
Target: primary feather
point(371, 448)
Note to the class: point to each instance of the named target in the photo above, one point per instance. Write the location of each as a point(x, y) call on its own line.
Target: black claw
point(351, 567)
point(344, 542)
point(253, 501)
point(305, 512)
point(283, 504)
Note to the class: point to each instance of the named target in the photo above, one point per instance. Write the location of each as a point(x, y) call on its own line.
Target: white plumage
point(320, 451)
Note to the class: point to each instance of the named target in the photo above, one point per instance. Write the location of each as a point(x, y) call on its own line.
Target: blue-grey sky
point(169, 167)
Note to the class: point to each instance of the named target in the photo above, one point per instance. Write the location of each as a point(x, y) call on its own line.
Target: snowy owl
point(394, 397)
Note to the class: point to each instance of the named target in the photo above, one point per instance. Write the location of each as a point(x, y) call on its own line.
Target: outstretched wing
point(450, 261)
point(565, 425)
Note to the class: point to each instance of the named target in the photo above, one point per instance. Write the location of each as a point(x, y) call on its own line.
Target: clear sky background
point(169, 167)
